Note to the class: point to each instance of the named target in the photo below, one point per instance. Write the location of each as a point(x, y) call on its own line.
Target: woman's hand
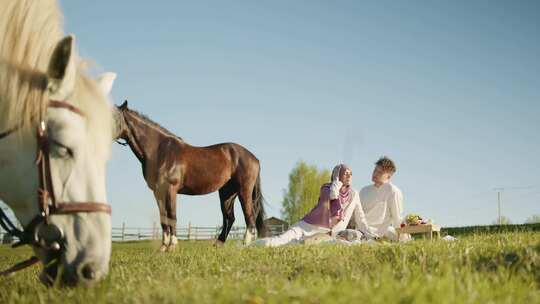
point(336, 183)
point(335, 173)
point(334, 189)
point(336, 178)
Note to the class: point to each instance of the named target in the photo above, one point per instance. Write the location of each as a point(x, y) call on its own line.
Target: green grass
point(499, 268)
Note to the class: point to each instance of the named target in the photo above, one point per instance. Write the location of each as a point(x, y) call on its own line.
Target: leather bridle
point(131, 137)
point(40, 232)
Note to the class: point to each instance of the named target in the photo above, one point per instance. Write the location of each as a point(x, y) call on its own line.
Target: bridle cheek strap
point(46, 199)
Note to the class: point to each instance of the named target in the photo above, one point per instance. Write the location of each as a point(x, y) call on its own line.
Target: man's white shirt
point(382, 208)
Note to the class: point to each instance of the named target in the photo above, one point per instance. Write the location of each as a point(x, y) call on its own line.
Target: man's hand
point(370, 235)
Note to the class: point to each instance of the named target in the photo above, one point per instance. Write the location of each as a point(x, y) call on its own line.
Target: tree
point(305, 182)
point(533, 219)
point(504, 221)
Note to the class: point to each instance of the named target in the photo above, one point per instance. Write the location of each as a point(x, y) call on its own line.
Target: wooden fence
point(190, 232)
point(125, 233)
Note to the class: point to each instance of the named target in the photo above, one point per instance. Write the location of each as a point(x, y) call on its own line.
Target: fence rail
point(125, 233)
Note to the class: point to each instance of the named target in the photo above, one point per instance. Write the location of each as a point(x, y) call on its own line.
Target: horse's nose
point(88, 272)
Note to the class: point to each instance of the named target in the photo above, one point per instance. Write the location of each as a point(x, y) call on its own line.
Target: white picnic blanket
point(344, 237)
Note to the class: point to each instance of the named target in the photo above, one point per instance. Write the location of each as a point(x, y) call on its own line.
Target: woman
point(338, 204)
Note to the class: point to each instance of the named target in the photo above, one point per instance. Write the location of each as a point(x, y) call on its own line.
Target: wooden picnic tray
point(420, 228)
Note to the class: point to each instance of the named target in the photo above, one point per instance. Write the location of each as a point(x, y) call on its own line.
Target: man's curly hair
point(386, 164)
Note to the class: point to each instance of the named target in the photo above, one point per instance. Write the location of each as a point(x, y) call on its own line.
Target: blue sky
point(449, 89)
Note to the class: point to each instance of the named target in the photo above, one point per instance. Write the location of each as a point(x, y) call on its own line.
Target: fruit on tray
point(413, 219)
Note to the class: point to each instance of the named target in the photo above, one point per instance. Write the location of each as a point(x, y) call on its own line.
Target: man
point(383, 202)
point(338, 204)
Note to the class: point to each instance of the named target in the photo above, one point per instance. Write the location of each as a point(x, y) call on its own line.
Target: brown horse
point(171, 166)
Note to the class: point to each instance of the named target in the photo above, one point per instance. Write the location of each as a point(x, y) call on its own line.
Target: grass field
point(497, 268)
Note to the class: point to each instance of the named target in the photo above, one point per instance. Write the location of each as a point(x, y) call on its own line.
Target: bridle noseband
point(40, 232)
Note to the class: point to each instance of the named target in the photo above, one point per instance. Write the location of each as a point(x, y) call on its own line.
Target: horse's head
point(124, 119)
point(79, 149)
point(75, 246)
point(120, 124)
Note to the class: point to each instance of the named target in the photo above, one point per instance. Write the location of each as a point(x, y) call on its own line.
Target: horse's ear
point(124, 105)
point(62, 71)
point(105, 82)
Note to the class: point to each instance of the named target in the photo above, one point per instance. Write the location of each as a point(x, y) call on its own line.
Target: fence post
point(189, 231)
point(139, 234)
point(123, 230)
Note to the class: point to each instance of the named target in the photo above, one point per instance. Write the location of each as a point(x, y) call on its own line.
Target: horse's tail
point(258, 204)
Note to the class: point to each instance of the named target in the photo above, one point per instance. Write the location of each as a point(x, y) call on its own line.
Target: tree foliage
point(302, 194)
point(504, 221)
point(533, 219)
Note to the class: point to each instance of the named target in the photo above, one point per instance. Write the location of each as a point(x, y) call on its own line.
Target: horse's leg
point(246, 200)
point(170, 207)
point(230, 214)
point(227, 195)
point(160, 199)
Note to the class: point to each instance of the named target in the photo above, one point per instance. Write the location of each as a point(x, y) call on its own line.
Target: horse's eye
point(62, 151)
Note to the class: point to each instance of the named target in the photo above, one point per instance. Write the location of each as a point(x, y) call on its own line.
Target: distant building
point(276, 226)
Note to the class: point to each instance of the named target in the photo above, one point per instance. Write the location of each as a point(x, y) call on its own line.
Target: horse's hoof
point(219, 244)
point(163, 248)
point(171, 248)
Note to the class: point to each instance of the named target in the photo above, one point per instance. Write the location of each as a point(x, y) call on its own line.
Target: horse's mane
point(29, 32)
point(154, 124)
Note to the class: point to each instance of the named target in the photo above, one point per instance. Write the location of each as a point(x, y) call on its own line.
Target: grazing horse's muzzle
point(56, 271)
point(52, 247)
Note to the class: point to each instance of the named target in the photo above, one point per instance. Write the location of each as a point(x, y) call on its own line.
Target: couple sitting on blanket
point(375, 212)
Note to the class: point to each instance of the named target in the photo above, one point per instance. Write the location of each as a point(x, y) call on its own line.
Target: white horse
point(43, 91)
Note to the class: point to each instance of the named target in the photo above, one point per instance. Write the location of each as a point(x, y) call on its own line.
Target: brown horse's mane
point(154, 124)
